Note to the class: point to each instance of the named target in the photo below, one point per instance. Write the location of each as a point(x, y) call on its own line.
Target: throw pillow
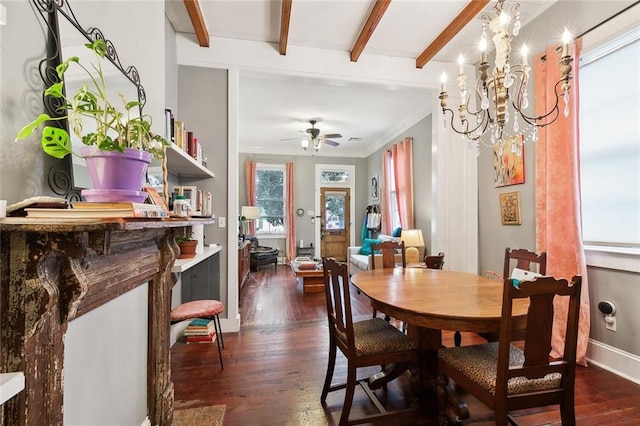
point(366, 246)
point(397, 232)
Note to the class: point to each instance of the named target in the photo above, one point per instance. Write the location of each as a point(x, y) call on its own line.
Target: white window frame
point(283, 169)
point(603, 256)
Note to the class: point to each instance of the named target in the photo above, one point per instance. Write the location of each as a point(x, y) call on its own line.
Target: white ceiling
point(274, 106)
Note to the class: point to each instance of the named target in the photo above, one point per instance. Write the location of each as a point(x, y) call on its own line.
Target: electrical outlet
point(610, 322)
point(222, 222)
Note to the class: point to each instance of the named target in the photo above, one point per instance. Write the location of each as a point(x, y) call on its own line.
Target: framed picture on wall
point(375, 187)
point(508, 161)
point(510, 208)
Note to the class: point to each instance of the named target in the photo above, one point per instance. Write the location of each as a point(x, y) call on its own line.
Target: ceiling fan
point(314, 139)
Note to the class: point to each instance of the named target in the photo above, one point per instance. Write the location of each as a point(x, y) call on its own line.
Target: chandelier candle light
point(502, 94)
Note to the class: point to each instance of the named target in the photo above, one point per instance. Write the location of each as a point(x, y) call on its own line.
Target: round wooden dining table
point(432, 300)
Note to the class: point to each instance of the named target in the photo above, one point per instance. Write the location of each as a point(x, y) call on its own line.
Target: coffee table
point(312, 280)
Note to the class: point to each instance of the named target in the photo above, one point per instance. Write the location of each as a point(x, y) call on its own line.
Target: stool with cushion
point(202, 309)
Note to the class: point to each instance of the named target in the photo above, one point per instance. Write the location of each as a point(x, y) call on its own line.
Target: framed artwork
point(508, 162)
point(510, 208)
point(156, 198)
point(375, 187)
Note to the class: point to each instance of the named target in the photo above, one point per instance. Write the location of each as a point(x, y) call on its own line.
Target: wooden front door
point(335, 220)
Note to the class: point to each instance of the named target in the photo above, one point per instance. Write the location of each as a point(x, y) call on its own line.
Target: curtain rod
point(608, 19)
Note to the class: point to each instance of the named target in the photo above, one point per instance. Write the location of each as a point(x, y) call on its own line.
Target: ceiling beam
point(199, 26)
point(369, 27)
point(284, 25)
point(459, 22)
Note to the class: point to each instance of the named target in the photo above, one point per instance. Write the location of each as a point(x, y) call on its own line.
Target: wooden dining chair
point(434, 261)
point(388, 250)
point(524, 260)
point(505, 377)
point(364, 343)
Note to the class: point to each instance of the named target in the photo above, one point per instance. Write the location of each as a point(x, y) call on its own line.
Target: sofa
point(359, 262)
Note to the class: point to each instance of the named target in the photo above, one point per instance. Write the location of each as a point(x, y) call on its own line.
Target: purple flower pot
point(116, 170)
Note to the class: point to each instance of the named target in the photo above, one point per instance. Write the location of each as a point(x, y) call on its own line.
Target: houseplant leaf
point(55, 142)
point(31, 127)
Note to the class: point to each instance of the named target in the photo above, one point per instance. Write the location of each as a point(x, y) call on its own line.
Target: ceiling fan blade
point(332, 136)
point(330, 142)
point(293, 139)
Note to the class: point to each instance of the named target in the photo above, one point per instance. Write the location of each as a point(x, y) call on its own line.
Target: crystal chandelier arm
point(553, 113)
point(484, 123)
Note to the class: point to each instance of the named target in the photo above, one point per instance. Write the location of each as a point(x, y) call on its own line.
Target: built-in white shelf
point(181, 163)
point(182, 265)
point(10, 385)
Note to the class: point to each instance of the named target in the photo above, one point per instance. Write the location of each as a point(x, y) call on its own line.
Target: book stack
point(200, 330)
point(99, 210)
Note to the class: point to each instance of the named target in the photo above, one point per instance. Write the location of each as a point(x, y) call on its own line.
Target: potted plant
point(120, 148)
point(187, 246)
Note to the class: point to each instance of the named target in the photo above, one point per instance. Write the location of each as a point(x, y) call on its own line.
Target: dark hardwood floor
point(275, 367)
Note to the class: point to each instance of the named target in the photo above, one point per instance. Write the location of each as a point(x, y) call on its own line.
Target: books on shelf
point(101, 210)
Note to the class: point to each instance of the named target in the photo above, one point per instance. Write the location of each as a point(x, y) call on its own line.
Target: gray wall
point(421, 134)
point(122, 323)
point(304, 189)
point(202, 105)
point(604, 284)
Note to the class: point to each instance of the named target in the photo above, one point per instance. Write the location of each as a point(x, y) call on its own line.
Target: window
point(270, 197)
point(334, 176)
point(394, 200)
point(610, 142)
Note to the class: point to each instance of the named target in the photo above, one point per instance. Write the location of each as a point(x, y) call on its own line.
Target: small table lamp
point(414, 245)
point(249, 213)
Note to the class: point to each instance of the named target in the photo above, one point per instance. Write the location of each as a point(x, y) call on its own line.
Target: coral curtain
point(290, 217)
point(403, 173)
point(558, 223)
point(385, 193)
point(250, 174)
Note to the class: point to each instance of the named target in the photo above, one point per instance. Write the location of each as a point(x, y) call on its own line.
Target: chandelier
point(501, 92)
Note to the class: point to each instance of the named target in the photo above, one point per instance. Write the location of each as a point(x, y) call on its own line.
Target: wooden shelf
point(10, 385)
point(182, 265)
point(181, 163)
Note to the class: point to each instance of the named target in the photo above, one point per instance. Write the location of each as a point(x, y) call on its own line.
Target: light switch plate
point(222, 222)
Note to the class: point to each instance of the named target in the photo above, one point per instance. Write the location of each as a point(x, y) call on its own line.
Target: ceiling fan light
point(304, 143)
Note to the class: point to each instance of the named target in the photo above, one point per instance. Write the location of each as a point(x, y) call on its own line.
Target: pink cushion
point(197, 309)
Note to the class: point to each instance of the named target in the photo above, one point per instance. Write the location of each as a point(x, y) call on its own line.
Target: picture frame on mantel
point(510, 208)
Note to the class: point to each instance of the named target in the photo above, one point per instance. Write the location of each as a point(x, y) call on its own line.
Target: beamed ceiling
point(276, 104)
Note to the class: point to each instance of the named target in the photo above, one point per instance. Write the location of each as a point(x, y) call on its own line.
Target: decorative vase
point(116, 176)
point(187, 249)
point(115, 169)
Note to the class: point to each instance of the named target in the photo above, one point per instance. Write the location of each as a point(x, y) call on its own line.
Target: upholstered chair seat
point(479, 363)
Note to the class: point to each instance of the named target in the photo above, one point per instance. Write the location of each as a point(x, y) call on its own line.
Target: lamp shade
point(412, 238)
point(251, 212)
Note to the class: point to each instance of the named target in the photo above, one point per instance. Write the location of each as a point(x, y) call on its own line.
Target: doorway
point(335, 220)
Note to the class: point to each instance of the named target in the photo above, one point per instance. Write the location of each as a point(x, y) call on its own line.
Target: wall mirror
point(66, 37)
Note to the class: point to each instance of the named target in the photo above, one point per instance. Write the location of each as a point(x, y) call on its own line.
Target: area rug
point(212, 415)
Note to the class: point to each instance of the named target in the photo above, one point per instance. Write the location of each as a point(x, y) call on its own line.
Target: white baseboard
point(230, 325)
point(627, 365)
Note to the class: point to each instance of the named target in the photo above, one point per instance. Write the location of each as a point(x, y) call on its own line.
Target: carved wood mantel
point(54, 271)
